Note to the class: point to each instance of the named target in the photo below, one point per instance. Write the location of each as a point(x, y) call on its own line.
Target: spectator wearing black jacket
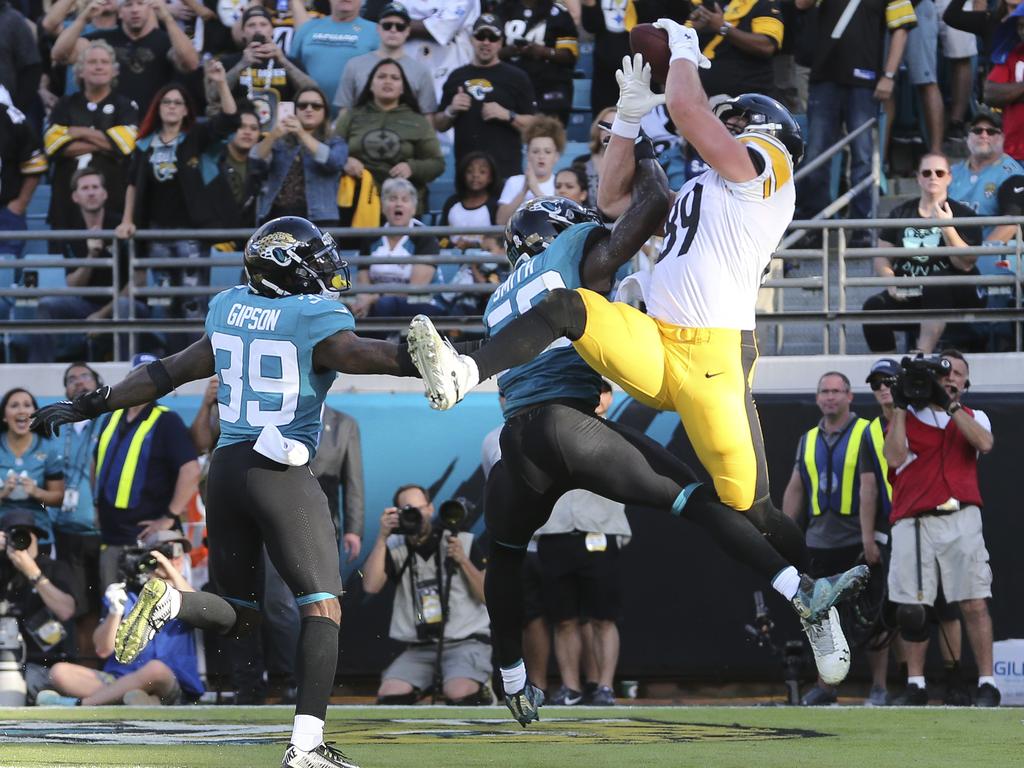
point(607, 23)
point(166, 189)
point(231, 194)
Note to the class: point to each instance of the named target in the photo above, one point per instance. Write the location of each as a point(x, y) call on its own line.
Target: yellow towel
point(367, 207)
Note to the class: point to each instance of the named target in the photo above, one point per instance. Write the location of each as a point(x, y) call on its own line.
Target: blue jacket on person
point(322, 171)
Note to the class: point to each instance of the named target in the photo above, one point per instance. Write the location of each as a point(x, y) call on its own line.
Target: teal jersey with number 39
point(263, 350)
point(558, 372)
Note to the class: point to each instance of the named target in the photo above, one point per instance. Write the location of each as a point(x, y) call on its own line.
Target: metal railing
point(834, 256)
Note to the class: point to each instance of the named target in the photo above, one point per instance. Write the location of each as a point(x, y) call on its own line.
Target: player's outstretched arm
point(142, 385)
point(644, 217)
point(689, 109)
point(346, 352)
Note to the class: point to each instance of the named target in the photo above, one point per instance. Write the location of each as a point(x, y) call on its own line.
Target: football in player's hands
point(652, 42)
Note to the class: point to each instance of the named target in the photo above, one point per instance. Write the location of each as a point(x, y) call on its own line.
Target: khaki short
point(952, 549)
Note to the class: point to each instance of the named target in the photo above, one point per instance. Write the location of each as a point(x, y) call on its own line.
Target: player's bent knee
point(565, 311)
point(327, 608)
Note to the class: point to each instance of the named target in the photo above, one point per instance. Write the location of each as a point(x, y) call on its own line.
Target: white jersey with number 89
point(719, 238)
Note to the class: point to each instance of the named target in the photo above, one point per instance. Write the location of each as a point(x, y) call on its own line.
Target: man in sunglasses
point(933, 178)
point(977, 180)
point(393, 27)
point(488, 101)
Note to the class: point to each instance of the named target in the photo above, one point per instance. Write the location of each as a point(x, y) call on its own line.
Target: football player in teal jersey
point(276, 345)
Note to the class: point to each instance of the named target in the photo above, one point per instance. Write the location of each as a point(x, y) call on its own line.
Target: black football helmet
point(764, 114)
point(289, 256)
point(537, 222)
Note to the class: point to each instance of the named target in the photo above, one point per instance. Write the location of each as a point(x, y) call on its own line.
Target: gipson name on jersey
point(253, 318)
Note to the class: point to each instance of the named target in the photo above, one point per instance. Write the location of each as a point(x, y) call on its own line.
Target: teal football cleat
point(524, 705)
point(815, 597)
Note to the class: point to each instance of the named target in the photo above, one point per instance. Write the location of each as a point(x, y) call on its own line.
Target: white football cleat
point(831, 651)
point(447, 375)
point(324, 756)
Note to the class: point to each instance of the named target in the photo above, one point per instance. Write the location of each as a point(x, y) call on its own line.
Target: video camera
point(790, 653)
point(918, 376)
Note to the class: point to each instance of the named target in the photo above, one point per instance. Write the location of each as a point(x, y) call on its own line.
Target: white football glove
point(116, 597)
point(683, 43)
point(635, 96)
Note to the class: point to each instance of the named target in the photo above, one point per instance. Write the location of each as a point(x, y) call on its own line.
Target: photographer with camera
point(931, 448)
point(166, 672)
point(438, 609)
point(35, 601)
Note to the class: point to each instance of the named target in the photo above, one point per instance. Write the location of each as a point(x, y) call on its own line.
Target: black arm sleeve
point(975, 22)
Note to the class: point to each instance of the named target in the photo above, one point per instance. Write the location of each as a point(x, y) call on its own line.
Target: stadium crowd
point(188, 115)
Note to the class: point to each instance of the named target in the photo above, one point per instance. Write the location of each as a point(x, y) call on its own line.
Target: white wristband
point(625, 129)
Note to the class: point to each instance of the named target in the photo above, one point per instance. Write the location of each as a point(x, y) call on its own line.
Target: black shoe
point(818, 697)
point(987, 695)
point(566, 697)
point(912, 696)
point(324, 756)
point(589, 689)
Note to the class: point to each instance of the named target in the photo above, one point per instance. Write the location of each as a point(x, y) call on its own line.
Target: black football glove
point(49, 418)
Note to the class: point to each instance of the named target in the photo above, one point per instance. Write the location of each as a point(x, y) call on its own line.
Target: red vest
point(946, 467)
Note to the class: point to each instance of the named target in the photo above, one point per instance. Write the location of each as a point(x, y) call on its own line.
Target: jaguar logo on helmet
point(289, 255)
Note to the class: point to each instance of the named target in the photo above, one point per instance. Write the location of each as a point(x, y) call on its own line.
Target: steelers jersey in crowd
point(20, 152)
point(548, 24)
point(117, 118)
point(734, 71)
point(719, 238)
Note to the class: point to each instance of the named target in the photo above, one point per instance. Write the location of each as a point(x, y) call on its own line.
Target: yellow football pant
point(703, 374)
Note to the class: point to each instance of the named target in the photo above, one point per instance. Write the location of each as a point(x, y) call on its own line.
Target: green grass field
point(423, 737)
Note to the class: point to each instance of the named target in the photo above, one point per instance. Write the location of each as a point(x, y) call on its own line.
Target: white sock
point(982, 679)
point(514, 677)
point(786, 582)
point(175, 596)
point(917, 680)
point(307, 732)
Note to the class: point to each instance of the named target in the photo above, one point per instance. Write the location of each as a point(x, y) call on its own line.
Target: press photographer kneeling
point(166, 672)
point(931, 448)
point(438, 608)
point(35, 600)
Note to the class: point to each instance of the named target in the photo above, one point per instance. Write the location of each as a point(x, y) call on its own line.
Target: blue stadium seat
point(573, 149)
point(579, 126)
point(585, 62)
point(581, 93)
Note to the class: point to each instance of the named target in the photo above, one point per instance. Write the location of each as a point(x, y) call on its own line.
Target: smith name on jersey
point(263, 352)
point(558, 372)
point(719, 239)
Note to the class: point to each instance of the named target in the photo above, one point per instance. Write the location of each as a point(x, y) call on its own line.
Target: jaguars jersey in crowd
point(719, 239)
point(263, 352)
point(558, 372)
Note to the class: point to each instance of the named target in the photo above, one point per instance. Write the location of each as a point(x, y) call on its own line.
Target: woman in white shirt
point(545, 141)
point(399, 199)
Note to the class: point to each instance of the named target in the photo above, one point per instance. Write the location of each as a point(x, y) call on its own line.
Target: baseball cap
point(987, 116)
point(256, 10)
point(886, 367)
point(21, 518)
point(143, 358)
point(489, 21)
point(154, 540)
point(394, 9)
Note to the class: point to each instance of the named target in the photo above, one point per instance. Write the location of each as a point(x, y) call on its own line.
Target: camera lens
point(20, 538)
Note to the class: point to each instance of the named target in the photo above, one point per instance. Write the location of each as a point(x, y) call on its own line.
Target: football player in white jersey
point(694, 352)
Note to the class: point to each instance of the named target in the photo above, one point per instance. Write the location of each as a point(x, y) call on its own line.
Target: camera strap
point(917, 548)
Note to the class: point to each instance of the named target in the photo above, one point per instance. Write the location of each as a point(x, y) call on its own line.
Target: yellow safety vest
point(131, 460)
point(878, 443)
point(847, 458)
